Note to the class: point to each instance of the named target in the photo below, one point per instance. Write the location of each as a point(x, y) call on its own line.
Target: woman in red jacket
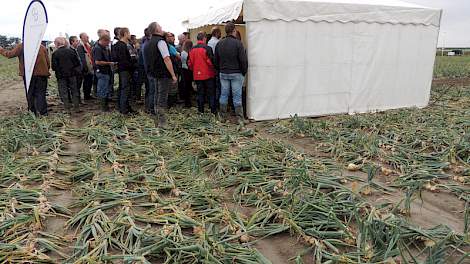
point(201, 63)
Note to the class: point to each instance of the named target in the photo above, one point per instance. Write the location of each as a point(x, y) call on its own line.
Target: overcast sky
point(75, 16)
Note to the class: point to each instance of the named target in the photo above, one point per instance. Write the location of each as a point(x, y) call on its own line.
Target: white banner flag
point(34, 28)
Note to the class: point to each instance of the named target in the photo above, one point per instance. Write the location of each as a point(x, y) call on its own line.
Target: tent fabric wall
point(313, 69)
point(321, 57)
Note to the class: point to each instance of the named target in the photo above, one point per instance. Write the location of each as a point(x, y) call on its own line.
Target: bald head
point(84, 37)
point(60, 42)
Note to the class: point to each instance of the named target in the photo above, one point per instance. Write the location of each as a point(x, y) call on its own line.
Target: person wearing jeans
point(201, 63)
point(160, 67)
point(232, 63)
point(103, 89)
point(232, 82)
point(103, 63)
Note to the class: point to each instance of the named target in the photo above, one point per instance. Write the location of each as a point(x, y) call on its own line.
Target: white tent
point(321, 57)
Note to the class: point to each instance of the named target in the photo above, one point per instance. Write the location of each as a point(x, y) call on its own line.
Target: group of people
point(217, 66)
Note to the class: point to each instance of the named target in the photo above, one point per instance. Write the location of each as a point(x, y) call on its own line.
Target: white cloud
point(78, 16)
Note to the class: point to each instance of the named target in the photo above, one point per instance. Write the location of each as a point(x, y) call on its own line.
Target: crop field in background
point(8, 70)
point(452, 67)
point(391, 187)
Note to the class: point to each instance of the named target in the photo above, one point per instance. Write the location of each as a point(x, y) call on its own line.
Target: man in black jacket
point(122, 57)
point(160, 71)
point(67, 67)
point(232, 63)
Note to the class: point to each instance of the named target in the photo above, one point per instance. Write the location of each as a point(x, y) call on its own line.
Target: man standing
point(103, 64)
point(74, 43)
point(160, 71)
point(67, 67)
point(36, 95)
point(100, 33)
point(181, 40)
point(201, 63)
point(116, 35)
point(176, 60)
point(232, 63)
point(216, 35)
point(122, 57)
point(84, 51)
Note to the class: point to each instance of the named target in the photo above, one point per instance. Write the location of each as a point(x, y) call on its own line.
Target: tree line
point(7, 42)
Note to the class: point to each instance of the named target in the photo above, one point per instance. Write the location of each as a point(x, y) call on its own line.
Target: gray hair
point(60, 42)
point(154, 28)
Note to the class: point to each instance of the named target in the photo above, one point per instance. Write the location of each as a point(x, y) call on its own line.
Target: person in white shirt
point(216, 35)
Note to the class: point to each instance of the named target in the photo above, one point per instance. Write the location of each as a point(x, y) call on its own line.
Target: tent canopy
point(323, 57)
point(344, 11)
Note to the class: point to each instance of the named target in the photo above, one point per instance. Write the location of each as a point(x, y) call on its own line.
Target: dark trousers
point(150, 94)
point(87, 85)
point(95, 85)
point(161, 93)
point(111, 85)
point(205, 89)
point(68, 92)
point(187, 83)
point(79, 85)
point(218, 89)
point(124, 92)
point(137, 82)
point(36, 96)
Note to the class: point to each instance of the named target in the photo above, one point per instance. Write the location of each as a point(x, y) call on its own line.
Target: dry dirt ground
point(434, 209)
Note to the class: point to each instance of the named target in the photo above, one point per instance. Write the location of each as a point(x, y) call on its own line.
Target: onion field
point(391, 187)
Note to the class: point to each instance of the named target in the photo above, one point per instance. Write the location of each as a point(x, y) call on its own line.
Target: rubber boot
point(160, 119)
point(104, 105)
point(223, 113)
point(241, 116)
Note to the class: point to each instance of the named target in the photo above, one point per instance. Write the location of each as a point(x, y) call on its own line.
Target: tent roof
point(216, 15)
point(343, 11)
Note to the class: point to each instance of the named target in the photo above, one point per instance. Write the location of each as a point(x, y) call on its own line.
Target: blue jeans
point(150, 94)
point(103, 85)
point(231, 82)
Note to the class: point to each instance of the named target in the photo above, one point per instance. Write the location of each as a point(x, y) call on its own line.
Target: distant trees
point(6, 42)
